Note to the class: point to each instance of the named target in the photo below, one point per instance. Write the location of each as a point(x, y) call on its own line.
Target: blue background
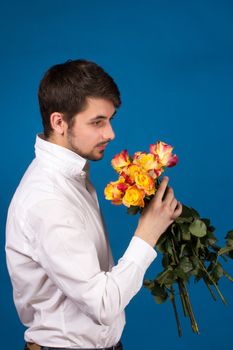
point(173, 62)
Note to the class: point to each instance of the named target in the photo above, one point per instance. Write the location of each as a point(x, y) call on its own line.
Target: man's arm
point(70, 258)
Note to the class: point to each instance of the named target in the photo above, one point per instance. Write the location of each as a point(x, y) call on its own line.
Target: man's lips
point(102, 146)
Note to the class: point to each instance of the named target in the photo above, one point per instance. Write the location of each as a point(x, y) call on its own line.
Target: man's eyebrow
point(99, 117)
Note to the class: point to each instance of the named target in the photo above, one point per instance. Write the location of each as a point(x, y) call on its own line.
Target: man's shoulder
point(35, 186)
point(42, 187)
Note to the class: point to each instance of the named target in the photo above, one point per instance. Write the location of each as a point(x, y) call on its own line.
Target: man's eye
point(98, 123)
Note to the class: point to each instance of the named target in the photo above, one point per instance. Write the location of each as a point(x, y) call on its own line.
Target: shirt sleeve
point(70, 259)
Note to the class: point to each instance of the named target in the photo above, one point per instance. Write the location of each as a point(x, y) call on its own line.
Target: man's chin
point(96, 157)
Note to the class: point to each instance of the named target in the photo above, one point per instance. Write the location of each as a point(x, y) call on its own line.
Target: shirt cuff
point(140, 252)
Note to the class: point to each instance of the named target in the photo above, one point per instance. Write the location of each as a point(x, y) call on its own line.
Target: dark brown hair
point(65, 87)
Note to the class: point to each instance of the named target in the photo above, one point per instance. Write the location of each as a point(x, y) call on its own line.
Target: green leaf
point(211, 228)
point(196, 272)
point(198, 245)
point(212, 257)
point(166, 277)
point(217, 272)
point(206, 221)
point(159, 299)
point(189, 212)
point(211, 266)
point(226, 250)
point(149, 284)
point(133, 210)
point(175, 232)
point(181, 220)
point(229, 235)
point(160, 245)
point(185, 233)
point(160, 248)
point(211, 239)
point(169, 279)
point(182, 250)
point(230, 242)
point(159, 293)
point(198, 228)
point(189, 251)
point(174, 229)
point(180, 273)
point(185, 264)
point(229, 238)
point(199, 275)
point(168, 247)
point(195, 261)
point(165, 261)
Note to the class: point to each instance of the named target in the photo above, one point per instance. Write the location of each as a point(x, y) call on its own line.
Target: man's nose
point(109, 133)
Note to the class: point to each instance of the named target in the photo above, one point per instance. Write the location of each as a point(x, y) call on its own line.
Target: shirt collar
point(65, 160)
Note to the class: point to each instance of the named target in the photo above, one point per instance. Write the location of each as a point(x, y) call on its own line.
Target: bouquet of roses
point(188, 246)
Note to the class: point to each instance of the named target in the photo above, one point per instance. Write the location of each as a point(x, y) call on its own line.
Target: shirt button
point(83, 174)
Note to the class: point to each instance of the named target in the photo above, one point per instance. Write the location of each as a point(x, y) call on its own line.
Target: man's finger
point(177, 211)
point(162, 188)
point(174, 204)
point(168, 196)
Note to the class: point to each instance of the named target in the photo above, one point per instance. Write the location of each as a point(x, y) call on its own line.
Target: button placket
point(83, 177)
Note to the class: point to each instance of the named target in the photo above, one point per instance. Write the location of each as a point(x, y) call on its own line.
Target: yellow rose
point(147, 161)
point(133, 196)
point(130, 171)
point(145, 182)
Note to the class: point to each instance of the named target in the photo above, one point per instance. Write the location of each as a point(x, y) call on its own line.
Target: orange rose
point(120, 161)
point(115, 191)
point(164, 153)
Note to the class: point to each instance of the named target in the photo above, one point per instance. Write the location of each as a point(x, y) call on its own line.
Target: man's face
point(91, 130)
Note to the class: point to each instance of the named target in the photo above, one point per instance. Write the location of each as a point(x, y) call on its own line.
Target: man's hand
point(162, 210)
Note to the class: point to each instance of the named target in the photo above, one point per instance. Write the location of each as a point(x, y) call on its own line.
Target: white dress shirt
point(66, 288)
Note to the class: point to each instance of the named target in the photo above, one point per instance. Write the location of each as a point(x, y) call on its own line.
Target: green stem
point(176, 259)
point(175, 311)
point(210, 290)
point(162, 276)
point(185, 310)
point(225, 250)
point(189, 307)
point(184, 295)
point(212, 280)
point(227, 275)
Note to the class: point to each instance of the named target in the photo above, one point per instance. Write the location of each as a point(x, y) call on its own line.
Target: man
point(67, 290)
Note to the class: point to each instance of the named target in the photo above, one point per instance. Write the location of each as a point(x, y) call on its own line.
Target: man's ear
point(58, 124)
